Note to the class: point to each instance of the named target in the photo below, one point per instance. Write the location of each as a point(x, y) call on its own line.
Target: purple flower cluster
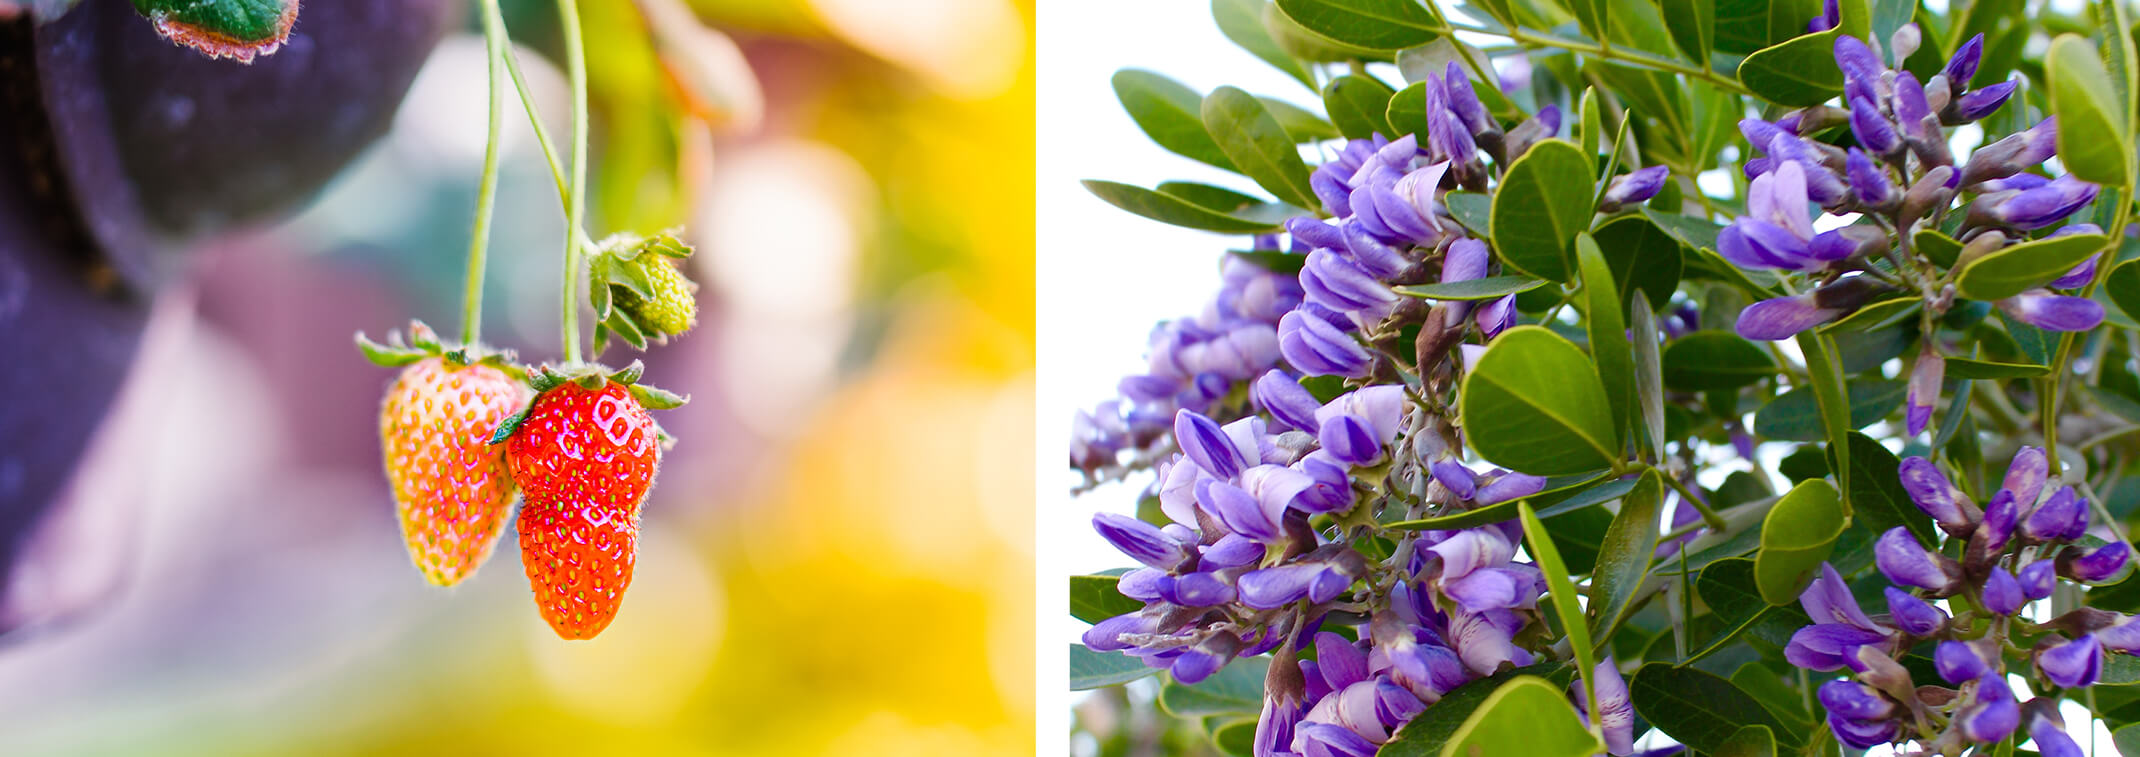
point(1901, 173)
point(1193, 364)
point(2013, 549)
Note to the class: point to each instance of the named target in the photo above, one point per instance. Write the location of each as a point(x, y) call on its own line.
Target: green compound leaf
point(1257, 144)
point(2012, 270)
point(2094, 141)
point(1372, 24)
point(1541, 408)
point(1700, 709)
point(1097, 598)
point(1358, 106)
point(1236, 689)
point(1649, 373)
point(1525, 716)
point(1170, 113)
point(1710, 360)
point(235, 29)
point(1093, 670)
point(1876, 493)
point(1797, 535)
point(1751, 741)
point(1543, 201)
point(1167, 208)
point(1802, 71)
point(1489, 288)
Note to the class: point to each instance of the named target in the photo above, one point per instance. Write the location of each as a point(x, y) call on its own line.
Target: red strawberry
point(584, 459)
point(451, 488)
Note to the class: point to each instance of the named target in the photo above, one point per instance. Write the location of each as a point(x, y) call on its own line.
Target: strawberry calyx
point(543, 378)
point(636, 290)
point(235, 29)
point(423, 343)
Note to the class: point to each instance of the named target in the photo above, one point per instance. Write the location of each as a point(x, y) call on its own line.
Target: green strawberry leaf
point(511, 424)
point(235, 29)
point(655, 398)
point(629, 374)
point(386, 356)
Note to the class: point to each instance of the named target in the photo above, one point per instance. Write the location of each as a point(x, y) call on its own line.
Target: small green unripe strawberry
point(673, 309)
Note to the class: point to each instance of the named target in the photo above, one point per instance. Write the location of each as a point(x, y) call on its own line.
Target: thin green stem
point(568, 15)
point(2064, 357)
point(494, 41)
point(1619, 54)
point(1709, 514)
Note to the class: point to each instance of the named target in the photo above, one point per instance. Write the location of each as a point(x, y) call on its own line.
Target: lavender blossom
point(1937, 496)
point(1317, 348)
point(2053, 312)
point(1632, 188)
point(2073, 664)
point(1924, 389)
point(1904, 562)
point(1991, 712)
point(1914, 616)
point(2095, 566)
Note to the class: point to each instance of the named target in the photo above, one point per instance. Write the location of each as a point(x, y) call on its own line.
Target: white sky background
point(1106, 276)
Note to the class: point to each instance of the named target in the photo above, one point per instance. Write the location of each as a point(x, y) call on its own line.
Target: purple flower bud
point(1869, 182)
point(1855, 59)
point(1377, 259)
point(1349, 439)
point(1935, 495)
point(1637, 186)
point(1335, 282)
point(1198, 590)
point(2052, 739)
point(2098, 565)
point(1497, 316)
point(1140, 540)
point(2063, 517)
point(1238, 510)
point(2039, 207)
point(1914, 616)
point(2025, 476)
point(1470, 550)
point(1316, 233)
point(1855, 701)
point(2018, 181)
point(2083, 273)
point(1496, 588)
point(1326, 740)
point(1142, 584)
point(1508, 485)
point(1282, 397)
point(2014, 154)
point(1208, 445)
point(1448, 138)
point(1760, 133)
point(1829, 646)
point(1958, 661)
point(2072, 665)
point(1548, 118)
point(1912, 110)
point(1272, 588)
point(1230, 551)
point(2037, 579)
point(1924, 389)
point(1863, 734)
point(1907, 563)
point(1465, 102)
point(1282, 710)
point(1453, 476)
point(1466, 259)
point(2053, 312)
point(1316, 348)
point(1754, 243)
point(1903, 43)
point(2121, 636)
point(1979, 103)
point(1873, 130)
point(2002, 592)
point(1331, 190)
point(1822, 185)
point(2000, 516)
point(1782, 317)
point(1992, 713)
point(1332, 491)
point(1106, 635)
point(1963, 66)
point(1830, 15)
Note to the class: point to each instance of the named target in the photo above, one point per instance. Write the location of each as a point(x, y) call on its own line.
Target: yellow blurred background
point(838, 556)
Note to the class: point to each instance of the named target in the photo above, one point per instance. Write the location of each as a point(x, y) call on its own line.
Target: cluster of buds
point(1902, 176)
point(2014, 550)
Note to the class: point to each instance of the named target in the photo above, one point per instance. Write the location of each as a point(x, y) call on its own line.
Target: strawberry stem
point(576, 72)
point(494, 40)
